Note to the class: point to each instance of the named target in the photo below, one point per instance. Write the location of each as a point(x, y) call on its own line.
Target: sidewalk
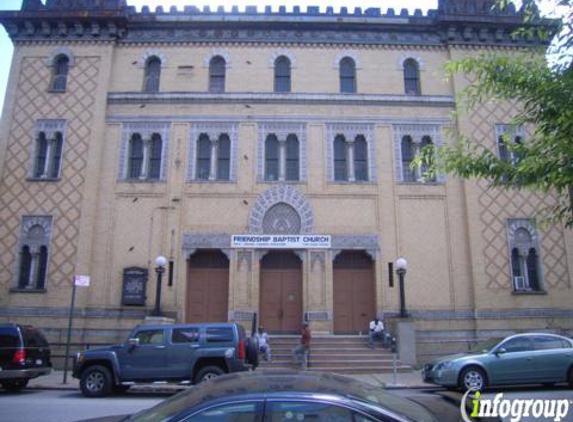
point(54, 381)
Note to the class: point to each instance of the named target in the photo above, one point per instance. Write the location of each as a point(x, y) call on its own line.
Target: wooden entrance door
point(281, 293)
point(354, 300)
point(207, 287)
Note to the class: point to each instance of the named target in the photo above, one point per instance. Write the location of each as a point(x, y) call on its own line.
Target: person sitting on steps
point(376, 330)
point(264, 345)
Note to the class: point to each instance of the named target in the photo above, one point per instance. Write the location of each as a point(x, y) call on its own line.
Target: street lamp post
point(160, 262)
point(401, 265)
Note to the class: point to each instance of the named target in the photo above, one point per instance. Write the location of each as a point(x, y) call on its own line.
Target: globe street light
point(160, 262)
point(401, 265)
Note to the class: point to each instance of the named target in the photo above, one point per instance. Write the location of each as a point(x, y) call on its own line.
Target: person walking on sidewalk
point(302, 350)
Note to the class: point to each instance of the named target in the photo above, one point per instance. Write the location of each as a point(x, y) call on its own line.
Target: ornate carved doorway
point(281, 292)
point(207, 287)
point(353, 290)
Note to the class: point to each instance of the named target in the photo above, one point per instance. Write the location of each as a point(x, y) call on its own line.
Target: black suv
point(24, 354)
point(175, 353)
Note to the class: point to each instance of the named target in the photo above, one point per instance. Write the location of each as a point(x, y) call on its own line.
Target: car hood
point(115, 418)
point(445, 406)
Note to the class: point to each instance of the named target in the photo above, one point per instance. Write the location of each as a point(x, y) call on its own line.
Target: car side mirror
point(133, 342)
point(500, 351)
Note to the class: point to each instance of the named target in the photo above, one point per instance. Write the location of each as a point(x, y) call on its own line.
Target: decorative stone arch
point(406, 56)
point(277, 53)
point(282, 194)
point(61, 51)
point(347, 53)
point(152, 53)
point(515, 225)
point(35, 233)
point(217, 52)
point(30, 222)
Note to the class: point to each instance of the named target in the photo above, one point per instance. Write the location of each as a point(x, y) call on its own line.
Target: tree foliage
point(544, 98)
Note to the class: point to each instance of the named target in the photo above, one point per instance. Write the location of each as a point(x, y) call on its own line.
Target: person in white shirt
point(264, 346)
point(376, 330)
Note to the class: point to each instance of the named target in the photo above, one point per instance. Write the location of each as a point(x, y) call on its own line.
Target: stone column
point(350, 159)
point(214, 155)
point(145, 163)
point(34, 266)
point(282, 159)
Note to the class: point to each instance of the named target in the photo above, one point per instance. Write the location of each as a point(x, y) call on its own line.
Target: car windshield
point(485, 346)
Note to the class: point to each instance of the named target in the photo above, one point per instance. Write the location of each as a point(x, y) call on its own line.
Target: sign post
point(83, 281)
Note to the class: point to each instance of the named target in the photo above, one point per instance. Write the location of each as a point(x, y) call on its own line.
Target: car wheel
point(96, 381)
point(472, 378)
point(15, 385)
point(252, 352)
point(207, 373)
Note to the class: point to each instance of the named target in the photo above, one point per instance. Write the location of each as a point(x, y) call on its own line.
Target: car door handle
point(194, 346)
point(159, 347)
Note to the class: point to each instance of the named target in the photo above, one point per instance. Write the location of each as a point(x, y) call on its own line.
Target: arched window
point(41, 155)
point(155, 156)
point(347, 75)
point(292, 158)
point(217, 74)
point(42, 267)
point(271, 158)
point(152, 75)
point(25, 267)
point(533, 269)
point(282, 74)
point(407, 147)
point(203, 157)
point(224, 158)
point(340, 167)
point(426, 142)
point(56, 158)
point(411, 77)
point(60, 73)
point(135, 165)
point(360, 159)
point(525, 268)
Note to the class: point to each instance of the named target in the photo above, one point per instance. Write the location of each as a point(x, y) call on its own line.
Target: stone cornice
point(275, 98)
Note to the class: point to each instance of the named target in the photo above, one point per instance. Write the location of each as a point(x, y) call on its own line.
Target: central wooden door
point(281, 293)
point(353, 291)
point(207, 287)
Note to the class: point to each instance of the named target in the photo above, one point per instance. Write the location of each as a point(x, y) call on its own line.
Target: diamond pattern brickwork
point(61, 199)
point(497, 205)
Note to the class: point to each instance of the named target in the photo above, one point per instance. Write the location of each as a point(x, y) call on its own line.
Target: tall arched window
point(56, 158)
point(533, 269)
point(203, 157)
point(224, 158)
point(60, 73)
point(292, 158)
point(411, 77)
point(41, 155)
point(282, 74)
point(426, 142)
point(217, 74)
point(271, 158)
point(33, 253)
point(152, 75)
point(525, 267)
point(42, 267)
point(347, 75)
point(156, 146)
point(407, 147)
point(25, 267)
point(360, 159)
point(135, 165)
point(340, 165)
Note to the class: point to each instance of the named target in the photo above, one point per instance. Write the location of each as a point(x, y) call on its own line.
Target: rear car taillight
point(19, 357)
point(242, 349)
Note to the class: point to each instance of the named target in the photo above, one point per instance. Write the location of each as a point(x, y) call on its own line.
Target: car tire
point(207, 373)
point(96, 381)
point(472, 378)
point(252, 352)
point(15, 385)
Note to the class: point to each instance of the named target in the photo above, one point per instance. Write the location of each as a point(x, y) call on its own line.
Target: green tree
point(544, 95)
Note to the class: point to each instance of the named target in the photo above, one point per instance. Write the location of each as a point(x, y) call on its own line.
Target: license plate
point(38, 361)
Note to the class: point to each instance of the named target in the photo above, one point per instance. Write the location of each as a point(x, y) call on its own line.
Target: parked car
point(24, 354)
point(176, 353)
point(530, 358)
point(282, 395)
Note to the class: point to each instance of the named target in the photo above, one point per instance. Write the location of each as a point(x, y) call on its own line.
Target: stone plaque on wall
point(134, 286)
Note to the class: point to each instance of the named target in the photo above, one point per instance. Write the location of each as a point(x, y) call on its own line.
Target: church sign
point(281, 241)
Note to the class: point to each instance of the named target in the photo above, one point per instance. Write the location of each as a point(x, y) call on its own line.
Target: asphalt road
point(68, 406)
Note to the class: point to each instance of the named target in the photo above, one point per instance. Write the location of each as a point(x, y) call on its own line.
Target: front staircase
point(341, 354)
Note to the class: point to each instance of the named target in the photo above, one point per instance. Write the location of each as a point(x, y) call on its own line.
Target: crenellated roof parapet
point(470, 22)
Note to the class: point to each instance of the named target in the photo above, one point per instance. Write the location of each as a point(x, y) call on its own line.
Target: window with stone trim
point(33, 253)
point(508, 137)
point(410, 140)
point(217, 67)
point(282, 158)
point(282, 81)
point(60, 70)
point(350, 158)
point(48, 150)
point(213, 157)
point(524, 256)
point(411, 77)
point(152, 75)
point(347, 72)
point(145, 156)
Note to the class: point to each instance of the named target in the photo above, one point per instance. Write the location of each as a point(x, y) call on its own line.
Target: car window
point(33, 337)
point(517, 344)
point(237, 412)
point(219, 334)
point(185, 335)
point(150, 337)
point(9, 337)
point(549, 342)
point(292, 411)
